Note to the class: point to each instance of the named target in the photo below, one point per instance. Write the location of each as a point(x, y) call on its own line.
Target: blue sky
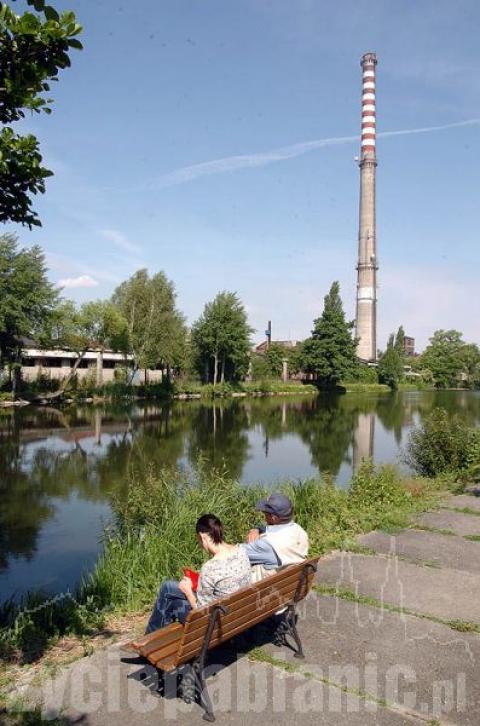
point(164, 86)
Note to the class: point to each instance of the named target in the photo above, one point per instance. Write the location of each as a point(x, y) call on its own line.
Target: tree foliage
point(391, 362)
point(444, 357)
point(221, 337)
point(330, 351)
point(269, 364)
point(21, 175)
point(156, 329)
point(104, 327)
point(400, 342)
point(33, 49)
point(103, 324)
point(275, 355)
point(27, 298)
point(471, 364)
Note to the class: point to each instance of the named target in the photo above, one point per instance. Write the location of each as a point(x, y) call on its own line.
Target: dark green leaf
point(51, 13)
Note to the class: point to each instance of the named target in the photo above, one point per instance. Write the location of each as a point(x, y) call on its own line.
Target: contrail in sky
point(243, 161)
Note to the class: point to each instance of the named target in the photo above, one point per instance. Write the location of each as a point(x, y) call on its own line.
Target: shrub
point(364, 374)
point(472, 472)
point(442, 444)
point(379, 487)
point(260, 369)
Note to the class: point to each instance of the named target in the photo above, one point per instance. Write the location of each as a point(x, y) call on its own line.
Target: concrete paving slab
point(462, 524)
point(444, 593)
point(102, 691)
point(428, 547)
point(411, 662)
point(463, 500)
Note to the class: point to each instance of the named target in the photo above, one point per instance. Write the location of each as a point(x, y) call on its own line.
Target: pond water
point(61, 468)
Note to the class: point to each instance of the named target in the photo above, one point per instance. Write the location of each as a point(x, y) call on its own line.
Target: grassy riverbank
point(154, 538)
point(87, 392)
point(359, 387)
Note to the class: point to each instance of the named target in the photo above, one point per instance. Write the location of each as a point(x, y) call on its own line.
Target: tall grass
point(154, 537)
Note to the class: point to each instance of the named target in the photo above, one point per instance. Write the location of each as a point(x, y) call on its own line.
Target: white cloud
point(242, 161)
point(80, 281)
point(120, 240)
point(69, 266)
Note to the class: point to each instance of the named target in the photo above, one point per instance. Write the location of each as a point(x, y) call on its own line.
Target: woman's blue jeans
point(171, 605)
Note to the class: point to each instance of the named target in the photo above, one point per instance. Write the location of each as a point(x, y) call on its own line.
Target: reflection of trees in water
point(276, 415)
point(218, 434)
point(327, 430)
point(27, 491)
point(341, 428)
point(465, 403)
point(102, 447)
point(31, 480)
point(324, 424)
point(395, 413)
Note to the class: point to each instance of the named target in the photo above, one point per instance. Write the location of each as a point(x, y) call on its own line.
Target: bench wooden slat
point(168, 664)
point(254, 604)
point(155, 645)
point(145, 640)
point(258, 587)
point(170, 649)
point(246, 597)
point(226, 630)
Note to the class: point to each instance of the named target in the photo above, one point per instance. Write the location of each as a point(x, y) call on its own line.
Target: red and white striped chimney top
point(368, 63)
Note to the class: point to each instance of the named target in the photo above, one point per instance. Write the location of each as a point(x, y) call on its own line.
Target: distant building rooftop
point(262, 347)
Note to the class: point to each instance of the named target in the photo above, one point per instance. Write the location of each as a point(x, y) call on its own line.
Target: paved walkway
point(396, 646)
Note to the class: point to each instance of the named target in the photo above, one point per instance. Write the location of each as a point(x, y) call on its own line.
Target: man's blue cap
point(277, 504)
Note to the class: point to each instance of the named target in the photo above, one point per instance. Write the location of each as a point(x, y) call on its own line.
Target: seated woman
point(227, 570)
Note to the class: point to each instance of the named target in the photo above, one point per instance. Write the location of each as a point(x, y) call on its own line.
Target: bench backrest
point(245, 608)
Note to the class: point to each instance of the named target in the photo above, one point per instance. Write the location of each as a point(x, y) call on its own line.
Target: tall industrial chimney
point(366, 314)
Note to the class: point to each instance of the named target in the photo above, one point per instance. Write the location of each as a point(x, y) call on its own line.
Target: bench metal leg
point(203, 693)
point(194, 688)
point(292, 621)
point(288, 627)
point(193, 682)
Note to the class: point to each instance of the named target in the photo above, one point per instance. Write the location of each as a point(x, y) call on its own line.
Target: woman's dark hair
point(210, 524)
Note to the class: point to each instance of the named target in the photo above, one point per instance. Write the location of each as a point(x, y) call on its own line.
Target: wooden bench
point(205, 628)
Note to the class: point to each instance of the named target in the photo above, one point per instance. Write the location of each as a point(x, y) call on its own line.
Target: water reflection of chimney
point(363, 439)
point(98, 427)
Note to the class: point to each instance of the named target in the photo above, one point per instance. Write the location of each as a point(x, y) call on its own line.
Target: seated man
point(280, 543)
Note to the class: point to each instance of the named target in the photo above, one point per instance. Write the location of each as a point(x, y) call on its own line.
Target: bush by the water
point(154, 538)
point(444, 444)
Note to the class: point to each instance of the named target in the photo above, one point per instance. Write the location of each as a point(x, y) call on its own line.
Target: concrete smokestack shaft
point(366, 314)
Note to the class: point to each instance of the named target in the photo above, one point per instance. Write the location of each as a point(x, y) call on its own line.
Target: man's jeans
point(171, 605)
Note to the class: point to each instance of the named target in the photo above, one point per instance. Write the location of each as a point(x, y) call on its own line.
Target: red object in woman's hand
point(193, 576)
